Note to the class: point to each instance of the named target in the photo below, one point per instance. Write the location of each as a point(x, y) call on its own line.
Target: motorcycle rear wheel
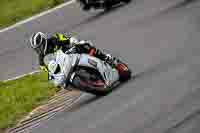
point(82, 81)
point(124, 72)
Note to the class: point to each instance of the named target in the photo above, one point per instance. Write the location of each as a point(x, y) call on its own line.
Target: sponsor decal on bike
point(92, 62)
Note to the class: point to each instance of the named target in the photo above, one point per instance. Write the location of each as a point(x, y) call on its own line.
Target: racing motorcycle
point(90, 74)
point(86, 5)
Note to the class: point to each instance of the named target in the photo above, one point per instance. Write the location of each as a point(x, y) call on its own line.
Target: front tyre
point(86, 7)
point(108, 5)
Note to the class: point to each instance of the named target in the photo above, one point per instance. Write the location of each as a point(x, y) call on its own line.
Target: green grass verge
point(12, 11)
point(18, 97)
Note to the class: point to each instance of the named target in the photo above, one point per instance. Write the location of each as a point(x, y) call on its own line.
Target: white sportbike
point(85, 72)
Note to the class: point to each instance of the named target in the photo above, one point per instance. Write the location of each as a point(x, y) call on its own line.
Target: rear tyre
point(83, 86)
point(84, 82)
point(124, 72)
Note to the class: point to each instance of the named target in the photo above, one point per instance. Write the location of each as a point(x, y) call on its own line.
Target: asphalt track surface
point(160, 41)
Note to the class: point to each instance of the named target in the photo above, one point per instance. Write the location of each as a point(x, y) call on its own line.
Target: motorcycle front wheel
point(126, 1)
point(84, 5)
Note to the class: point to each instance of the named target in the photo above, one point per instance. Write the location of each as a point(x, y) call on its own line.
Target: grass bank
point(18, 97)
point(12, 11)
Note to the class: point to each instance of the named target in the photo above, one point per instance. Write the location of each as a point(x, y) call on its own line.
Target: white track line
point(20, 76)
point(28, 20)
point(37, 16)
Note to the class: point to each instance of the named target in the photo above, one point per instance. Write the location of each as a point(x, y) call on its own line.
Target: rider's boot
point(108, 58)
point(124, 72)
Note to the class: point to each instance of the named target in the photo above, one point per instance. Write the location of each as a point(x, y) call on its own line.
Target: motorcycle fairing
point(109, 74)
point(68, 61)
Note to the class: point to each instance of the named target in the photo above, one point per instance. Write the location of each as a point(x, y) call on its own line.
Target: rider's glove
point(43, 68)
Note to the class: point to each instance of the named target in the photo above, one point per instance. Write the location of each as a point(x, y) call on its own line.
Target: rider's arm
point(42, 65)
point(84, 47)
point(89, 48)
point(54, 43)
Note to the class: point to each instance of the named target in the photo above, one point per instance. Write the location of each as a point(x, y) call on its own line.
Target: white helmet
point(39, 42)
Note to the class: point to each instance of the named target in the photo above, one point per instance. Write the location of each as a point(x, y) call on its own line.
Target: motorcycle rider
point(44, 46)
